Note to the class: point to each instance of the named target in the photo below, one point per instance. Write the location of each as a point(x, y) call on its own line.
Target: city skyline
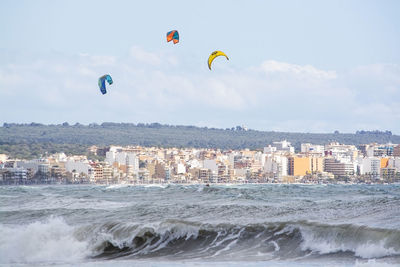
point(276, 163)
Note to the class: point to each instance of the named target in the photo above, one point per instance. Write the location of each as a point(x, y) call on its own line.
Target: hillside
point(79, 137)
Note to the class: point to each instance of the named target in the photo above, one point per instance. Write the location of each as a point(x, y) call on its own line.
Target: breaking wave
point(56, 241)
point(257, 241)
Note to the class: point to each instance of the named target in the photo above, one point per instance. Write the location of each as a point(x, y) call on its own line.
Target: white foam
point(332, 242)
point(156, 185)
point(276, 246)
point(288, 229)
point(49, 241)
point(226, 248)
point(70, 203)
point(117, 186)
point(377, 250)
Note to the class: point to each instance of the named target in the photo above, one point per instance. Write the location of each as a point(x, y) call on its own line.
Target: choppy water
point(221, 225)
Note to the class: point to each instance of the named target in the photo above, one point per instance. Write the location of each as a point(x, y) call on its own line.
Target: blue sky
point(299, 66)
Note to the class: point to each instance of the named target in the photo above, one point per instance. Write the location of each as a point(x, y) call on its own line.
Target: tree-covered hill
point(155, 134)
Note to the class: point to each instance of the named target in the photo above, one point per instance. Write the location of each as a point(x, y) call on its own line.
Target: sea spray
point(363, 241)
point(51, 240)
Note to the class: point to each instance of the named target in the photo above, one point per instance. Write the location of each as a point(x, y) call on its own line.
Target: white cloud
point(302, 72)
point(378, 111)
point(273, 95)
point(382, 72)
point(96, 61)
point(143, 56)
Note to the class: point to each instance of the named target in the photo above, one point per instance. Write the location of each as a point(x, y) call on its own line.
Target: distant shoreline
point(199, 184)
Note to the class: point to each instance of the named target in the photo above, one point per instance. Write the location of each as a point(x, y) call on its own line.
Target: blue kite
point(102, 82)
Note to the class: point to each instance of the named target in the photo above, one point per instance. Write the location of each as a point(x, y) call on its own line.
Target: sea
point(199, 225)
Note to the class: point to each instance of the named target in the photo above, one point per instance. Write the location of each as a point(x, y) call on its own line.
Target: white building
point(283, 146)
point(370, 165)
point(31, 164)
point(78, 166)
point(180, 168)
point(3, 157)
point(194, 163)
point(210, 164)
point(340, 151)
point(310, 148)
point(110, 157)
point(338, 167)
point(121, 158)
point(269, 149)
point(260, 158)
point(276, 164)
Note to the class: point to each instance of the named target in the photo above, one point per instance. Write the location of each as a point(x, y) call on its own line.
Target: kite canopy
point(214, 55)
point(102, 82)
point(173, 36)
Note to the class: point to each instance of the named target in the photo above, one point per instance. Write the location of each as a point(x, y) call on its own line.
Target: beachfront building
point(299, 166)
point(77, 166)
point(379, 150)
point(339, 168)
point(317, 164)
point(14, 176)
point(276, 166)
point(369, 167)
point(124, 160)
point(341, 152)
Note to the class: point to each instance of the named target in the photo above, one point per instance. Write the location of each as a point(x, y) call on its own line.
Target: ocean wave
point(54, 240)
point(258, 241)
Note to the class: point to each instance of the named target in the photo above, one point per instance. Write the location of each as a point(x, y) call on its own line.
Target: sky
point(297, 66)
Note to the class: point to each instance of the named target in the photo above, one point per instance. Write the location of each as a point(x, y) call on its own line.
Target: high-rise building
point(370, 166)
point(317, 164)
point(276, 166)
point(299, 166)
point(338, 168)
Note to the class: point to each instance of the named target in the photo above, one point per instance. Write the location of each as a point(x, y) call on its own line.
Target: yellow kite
point(214, 55)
